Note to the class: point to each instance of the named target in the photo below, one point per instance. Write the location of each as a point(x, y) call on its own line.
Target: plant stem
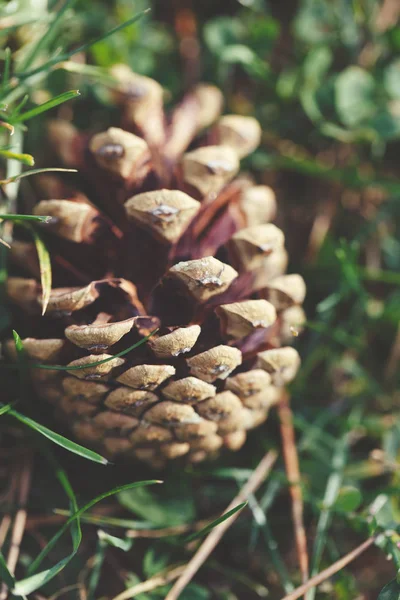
point(293, 474)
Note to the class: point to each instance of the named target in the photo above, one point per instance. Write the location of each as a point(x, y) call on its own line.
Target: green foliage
point(37, 580)
point(214, 523)
point(56, 438)
point(168, 506)
point(348, 499)
point(391, 591)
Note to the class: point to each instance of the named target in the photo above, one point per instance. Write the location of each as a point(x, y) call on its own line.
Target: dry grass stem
point(166, 531)
point(394, 358)
point(293, 474)
point(326, 573)
point(213, 538)
point(151, 584)
point(20, 518)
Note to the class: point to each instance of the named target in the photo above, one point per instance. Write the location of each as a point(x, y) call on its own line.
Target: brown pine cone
point(166, 236)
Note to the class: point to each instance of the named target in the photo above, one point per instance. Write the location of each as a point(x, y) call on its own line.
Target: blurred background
point(323, 78)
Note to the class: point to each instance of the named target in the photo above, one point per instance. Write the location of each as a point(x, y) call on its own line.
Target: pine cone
point(163, 235)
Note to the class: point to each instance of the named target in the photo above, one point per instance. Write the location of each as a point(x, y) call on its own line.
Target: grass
point(323, 80)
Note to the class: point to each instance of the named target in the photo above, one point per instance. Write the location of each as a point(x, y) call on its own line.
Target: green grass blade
point(99, 362)
point(331, 492)
point(34, 582)
point(56, 101)
point(34, 218)
point(261, 519)
point(18, 343)
point(109, 521)
point(25, 159)
point(36, 172)
point(106, 35)
point(63, 57)
point(5, 408)
point(61, 475)
point(22, 363)
point(104, 540)
point(58, 439)
point(98, 561)
point(19, 106)
point(47, 38)
point(7, 69)
point(210, 526)
point(5, 574)
point(45, 268)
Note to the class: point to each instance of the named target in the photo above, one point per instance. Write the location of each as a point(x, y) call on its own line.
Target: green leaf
point(155, 560)
point(354, 96)
point(45, 268)
point(56, 101)
point(382, 511)
point(246, 57)
point(349, 499)
point(5, 574)
point(34, 582)
point(25, 159)
point(222, 32)
point(316, 64)
point(386, 123)
point(170, 505)
point(391, 79)
point(34, 218)
point(195, 591)
point(58, 439)
point(315, 69)
point(315, 22)
point(216, 522)
point(115, 542)
point(391, 591)
point(99, 362)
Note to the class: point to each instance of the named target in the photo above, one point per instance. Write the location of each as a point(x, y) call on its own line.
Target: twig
point(151, 584)
point(205, 549)
point(65, 590)
point(189, 46)
point(166, 531)
point(326, 573)
point(388, 15)
point(394, 358)
point(293, 474)
point(4, 527)
point(20, 519)
point(320, 228)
